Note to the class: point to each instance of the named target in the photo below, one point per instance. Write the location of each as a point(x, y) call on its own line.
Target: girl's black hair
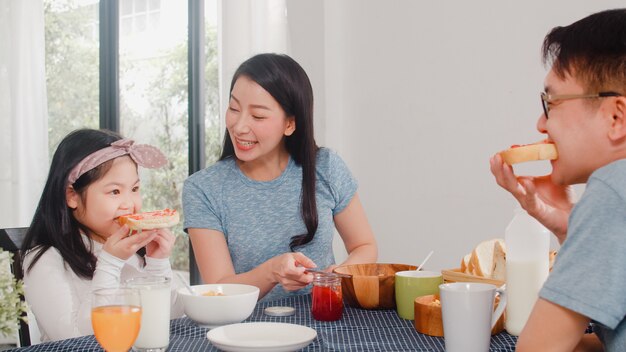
point(285, 80)
point(53, 224)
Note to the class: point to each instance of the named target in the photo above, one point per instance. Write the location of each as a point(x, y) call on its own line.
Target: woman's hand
point(289, 270)
point(162, 245)
point(122, 245)
point(547, 202)
point(216, 265)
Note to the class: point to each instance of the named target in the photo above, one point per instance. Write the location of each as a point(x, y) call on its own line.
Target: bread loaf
point(488, 260)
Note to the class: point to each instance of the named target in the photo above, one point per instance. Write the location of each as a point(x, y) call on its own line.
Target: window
point(153, 87)
point(71, 67)
point(137, 16)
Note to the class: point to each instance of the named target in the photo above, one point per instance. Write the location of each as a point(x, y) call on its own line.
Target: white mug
point(154, 334)
point(468, 315)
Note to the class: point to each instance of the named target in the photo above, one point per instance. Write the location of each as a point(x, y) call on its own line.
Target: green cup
point(412, 284)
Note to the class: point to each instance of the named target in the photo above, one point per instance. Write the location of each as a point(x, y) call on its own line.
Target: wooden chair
point(11, 241)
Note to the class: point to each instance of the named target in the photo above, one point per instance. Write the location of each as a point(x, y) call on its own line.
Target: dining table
point(357, 330)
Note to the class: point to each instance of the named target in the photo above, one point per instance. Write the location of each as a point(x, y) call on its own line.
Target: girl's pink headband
point(143, 154)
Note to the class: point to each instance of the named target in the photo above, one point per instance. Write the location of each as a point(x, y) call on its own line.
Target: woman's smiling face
point(256, 123)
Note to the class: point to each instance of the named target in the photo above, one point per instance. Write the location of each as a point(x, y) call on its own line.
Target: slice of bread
point(470, 267)
point(483, 259)
point(529, 152)
point(552, 258)
point(156, 219)
point(465, 262)
point(499, 262)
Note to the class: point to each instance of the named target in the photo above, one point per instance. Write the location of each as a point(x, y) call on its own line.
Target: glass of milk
point(154, 334)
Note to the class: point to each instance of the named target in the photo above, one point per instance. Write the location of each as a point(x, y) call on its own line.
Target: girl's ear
point(291, 126)
point(618, 126)
point(71, 197)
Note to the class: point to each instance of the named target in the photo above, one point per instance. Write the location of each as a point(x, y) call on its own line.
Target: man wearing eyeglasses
point(584, 114)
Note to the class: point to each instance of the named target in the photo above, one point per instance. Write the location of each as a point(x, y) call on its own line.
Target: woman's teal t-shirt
point(259, 219)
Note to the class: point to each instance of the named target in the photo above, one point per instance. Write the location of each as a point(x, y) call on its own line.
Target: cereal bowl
point(370, 286)
point(219, 304)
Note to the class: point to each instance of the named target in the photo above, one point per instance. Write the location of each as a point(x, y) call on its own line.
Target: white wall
point(416, 96)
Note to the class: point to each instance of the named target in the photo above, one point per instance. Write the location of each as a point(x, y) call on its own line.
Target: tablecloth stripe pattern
point(358, 330)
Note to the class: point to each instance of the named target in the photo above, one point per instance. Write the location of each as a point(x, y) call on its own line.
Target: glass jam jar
point(327, 298)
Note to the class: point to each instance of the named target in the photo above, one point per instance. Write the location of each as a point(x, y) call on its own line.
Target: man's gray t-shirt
point(258, 219)
point(589, 276)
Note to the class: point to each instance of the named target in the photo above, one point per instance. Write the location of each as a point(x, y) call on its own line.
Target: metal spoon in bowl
point(425, 260)
point(182, 279)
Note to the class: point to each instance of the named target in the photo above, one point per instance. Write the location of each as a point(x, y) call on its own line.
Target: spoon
point(182, 279)
point(320, 272)
point(425, 260)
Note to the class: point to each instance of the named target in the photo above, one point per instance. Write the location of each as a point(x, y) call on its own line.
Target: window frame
point(110, 93)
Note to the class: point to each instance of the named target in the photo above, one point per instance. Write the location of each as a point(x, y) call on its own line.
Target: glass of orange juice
point(116, 317)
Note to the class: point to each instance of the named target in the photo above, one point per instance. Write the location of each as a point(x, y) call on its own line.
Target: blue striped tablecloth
point(358, 330)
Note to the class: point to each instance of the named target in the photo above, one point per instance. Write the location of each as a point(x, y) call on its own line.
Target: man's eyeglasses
point(546, 99)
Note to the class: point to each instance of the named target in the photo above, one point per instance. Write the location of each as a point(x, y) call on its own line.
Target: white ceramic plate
point(274, 337)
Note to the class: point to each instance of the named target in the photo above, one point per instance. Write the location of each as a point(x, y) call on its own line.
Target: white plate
point(275, 337)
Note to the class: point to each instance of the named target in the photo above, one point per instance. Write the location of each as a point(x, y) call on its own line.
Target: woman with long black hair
point(269, 207)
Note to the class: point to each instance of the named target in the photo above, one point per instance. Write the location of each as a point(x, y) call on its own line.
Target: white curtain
point(249, 27)
point(23, 110)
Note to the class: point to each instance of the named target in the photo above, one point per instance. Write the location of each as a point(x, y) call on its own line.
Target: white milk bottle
point(527, 267)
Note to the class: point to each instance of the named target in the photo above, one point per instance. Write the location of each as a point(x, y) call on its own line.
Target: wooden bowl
point(428, 319)
point(370, 286)
point(428, 315)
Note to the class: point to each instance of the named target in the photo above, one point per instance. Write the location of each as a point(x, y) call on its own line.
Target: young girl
point(273, 191)
point(76, 245)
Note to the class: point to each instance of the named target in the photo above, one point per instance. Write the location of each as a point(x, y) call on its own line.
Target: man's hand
point(547, 202)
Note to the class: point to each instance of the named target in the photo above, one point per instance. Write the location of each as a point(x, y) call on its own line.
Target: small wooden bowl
point(428, 319)
point(370, 286)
